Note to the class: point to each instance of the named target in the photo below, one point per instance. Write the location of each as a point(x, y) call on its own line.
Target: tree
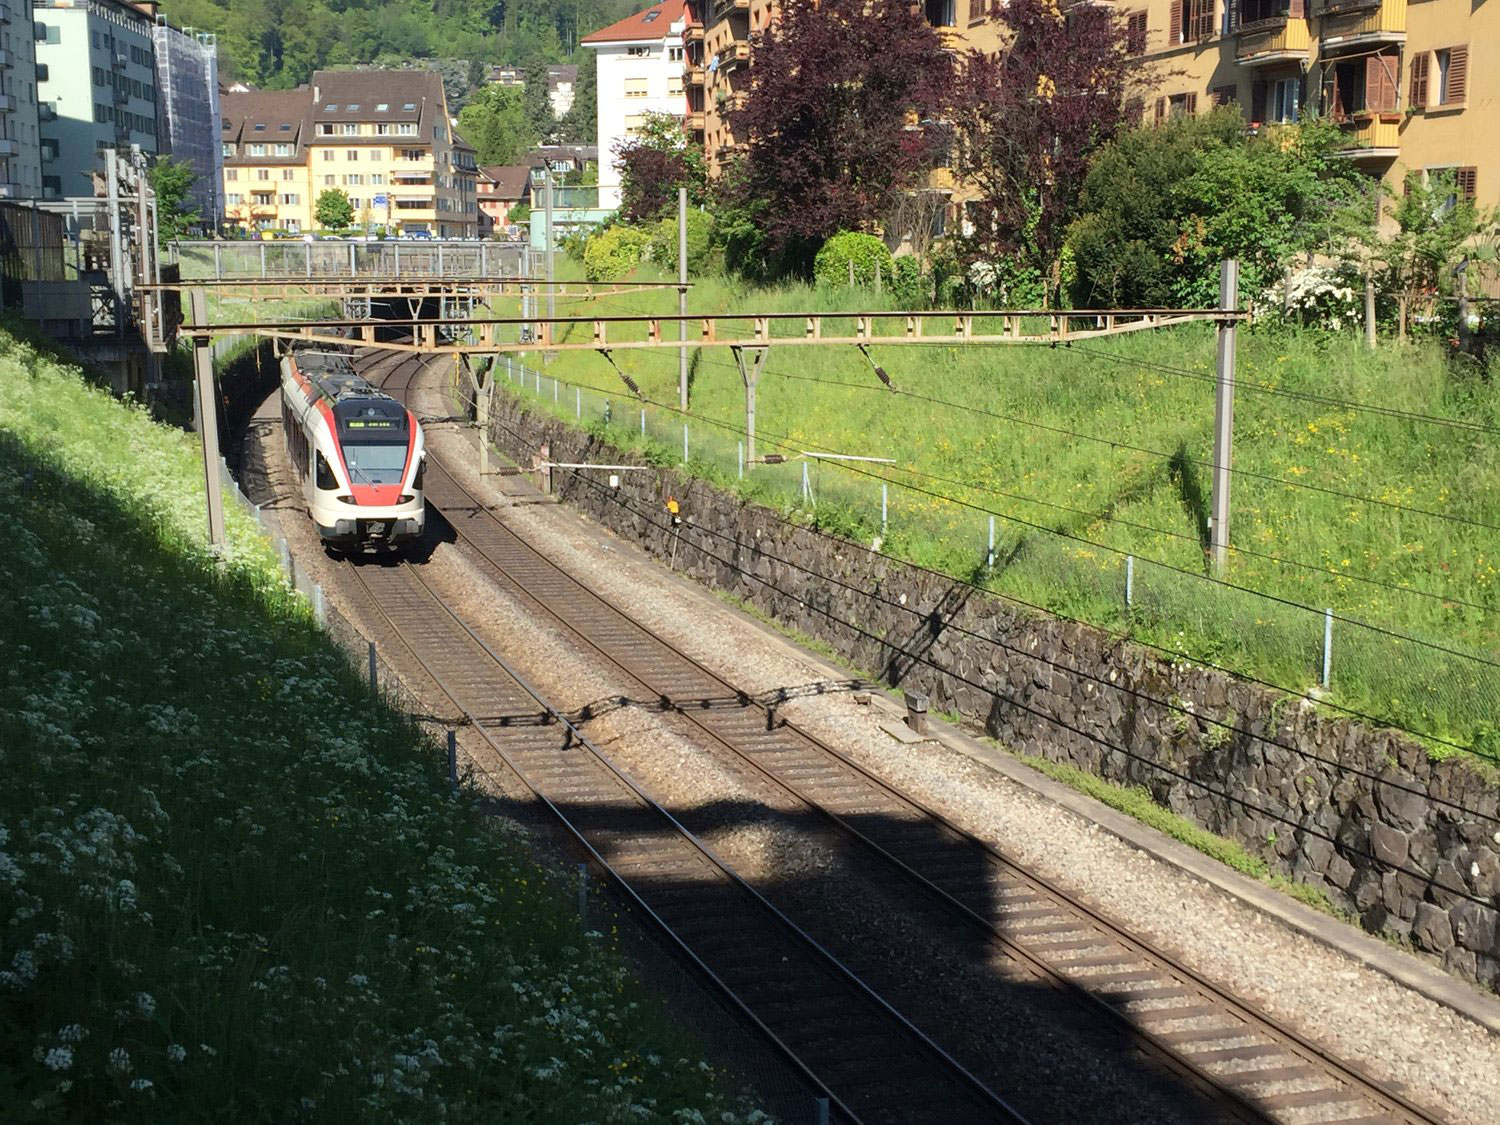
point(580, 125)
point(537, 100)
point(172, 180)
point(1438, 231)
point(495, 123)
point(1026, 125)
point(1162, 207)
point(838, 119)
point(654, 164)
point(333, 211)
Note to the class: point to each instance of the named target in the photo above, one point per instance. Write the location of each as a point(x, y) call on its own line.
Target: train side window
point(326, 480)
point(416, 481)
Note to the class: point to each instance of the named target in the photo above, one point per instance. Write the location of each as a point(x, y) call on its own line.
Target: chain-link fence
point(293, 258)
point(1429, 685)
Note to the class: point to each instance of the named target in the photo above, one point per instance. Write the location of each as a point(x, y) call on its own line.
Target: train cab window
point(326, 479)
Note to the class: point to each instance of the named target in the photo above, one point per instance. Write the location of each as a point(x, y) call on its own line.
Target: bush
point(700, 234)
point(910, 287)
point(614, 253)
point(831, 266)
point(1325, 296)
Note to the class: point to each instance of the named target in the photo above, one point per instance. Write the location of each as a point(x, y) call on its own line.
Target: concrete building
point(20, 136)
point(383, 137)
point(561, 78)
point(1406, 83)
point(96, 86)
point(187, 98)
point(501, 188)
point(639, 64)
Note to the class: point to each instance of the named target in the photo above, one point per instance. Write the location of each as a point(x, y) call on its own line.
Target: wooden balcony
point(694, 121)
point(1359, 23)
point(693, 33)
point(1373, 137)
point(1276, 40)
point(692, 76)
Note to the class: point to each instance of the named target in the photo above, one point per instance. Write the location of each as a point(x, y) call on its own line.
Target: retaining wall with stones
point(1409, 845)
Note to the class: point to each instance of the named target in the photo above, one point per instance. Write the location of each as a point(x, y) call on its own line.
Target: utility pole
point(750, 374)
point(682, 364)
point(551, 255)
point(116, 235)
point(1229, 297)
point(208, 417)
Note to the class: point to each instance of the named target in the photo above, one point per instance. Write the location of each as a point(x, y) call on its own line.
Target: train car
point(358, 453)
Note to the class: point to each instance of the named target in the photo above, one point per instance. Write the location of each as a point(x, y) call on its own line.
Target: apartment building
point(1402, 79)
point(95, 85)
point(20, 137)
point(639, 66)
point(383, 137)
point(187, 94)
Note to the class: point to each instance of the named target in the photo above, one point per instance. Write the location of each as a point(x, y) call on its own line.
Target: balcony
point(8, 105)
point(9, 147)
point(693, 76)
point(122, 95)
point(693, 122)
point(1347, 24)
point(121, 61)
point(1372, 137)
point(1276, 40)
point(4, 13)
point(9, 190)
point(6, 61)
point(693, 34)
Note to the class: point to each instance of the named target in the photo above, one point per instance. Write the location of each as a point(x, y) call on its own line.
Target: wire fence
point(293, 258)
point(1427, 685)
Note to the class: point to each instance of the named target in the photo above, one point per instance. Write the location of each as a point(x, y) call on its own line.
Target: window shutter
point(1258, 101)
point(1191, 104)
point(1224, 95)
point(1458, 73)
point(1380, 84)
point(1174, 25)
point(1466, 182)
point(1161, 109)
point(1417, 96)
point(1135, 34)
point(1297, 9)
point(1205, 28)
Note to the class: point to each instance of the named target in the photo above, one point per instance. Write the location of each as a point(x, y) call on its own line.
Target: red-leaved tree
point(838, 91)
point(1026, 124)
point(653, 165)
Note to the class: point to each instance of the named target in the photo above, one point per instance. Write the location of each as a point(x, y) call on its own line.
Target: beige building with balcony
point(383, 137)
point(1399, 76)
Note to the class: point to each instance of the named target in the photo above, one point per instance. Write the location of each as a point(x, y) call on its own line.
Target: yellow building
point(1400, 78)
point(383, 137)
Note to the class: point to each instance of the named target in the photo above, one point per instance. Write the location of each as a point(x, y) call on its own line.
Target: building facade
point(187, 97)
point(96, 86)
point(1404, 81)
point(383, 137)
point(639, 64)
point(20, 134)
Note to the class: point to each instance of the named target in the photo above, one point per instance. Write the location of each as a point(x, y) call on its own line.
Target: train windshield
point(380, 463)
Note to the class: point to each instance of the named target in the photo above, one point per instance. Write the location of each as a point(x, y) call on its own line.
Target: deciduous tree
point(333, 211)
point(654, 164)
point(1027, 122)
point(842, 98)
point(171, 180)
point(495, 123)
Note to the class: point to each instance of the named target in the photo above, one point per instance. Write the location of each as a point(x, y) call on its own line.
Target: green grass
point(1114, 500)
point(234, 884)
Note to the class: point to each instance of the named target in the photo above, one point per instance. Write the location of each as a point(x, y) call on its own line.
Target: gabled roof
point(269, 117)
point(355, 95)
point(653, 24)
point(511, 181)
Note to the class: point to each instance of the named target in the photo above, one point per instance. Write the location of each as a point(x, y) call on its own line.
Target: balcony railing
point(693, 33)
point(1279, 39)
point(1367, 23)
point(1371, 136)
point(4, 13)
point(9, 147)
point(694, 121)
point(6, 61)
point(8, 105)
point(692, 76)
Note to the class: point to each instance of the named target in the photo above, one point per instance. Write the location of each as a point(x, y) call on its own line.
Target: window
point(329, 181)
point(228, 150)
point(231, 174)
point(674, 85)
point(383, 107)
point(283, 150)
point(1193, 20)
point(377, 179)
point(939, 13)
point(330, 108)
point(638, 52)
point(260, 126)
point(328, 154)
point(352, 108)
point(346, 129)
point(635, 88)
point(1463, 184)
point(289, 173)
point(407, 128)
point(413, 154)
point(1283, 100)
point(284, 127)
point(99, 79)
point(256, 150)
point(262, 199)
point(382, 129)
point(1223, 95)
point(674, 54)
point(291, 199)
point(352, 154)
point(1178, 105)
point(409, 107)
point(354, 181)
point(234, 197)
point(1452, 75)
point(634, 124)
point(263, 173)
point(48, 33)
point(1135, 34)
point(377, 154)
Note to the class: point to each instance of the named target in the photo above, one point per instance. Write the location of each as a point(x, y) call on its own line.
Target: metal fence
point(1430, 685)
point(293, 258)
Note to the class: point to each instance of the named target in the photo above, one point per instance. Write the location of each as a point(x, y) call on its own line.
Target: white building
point(20, 143)
point(96, 84)
point(638, 64)
point(187, 82)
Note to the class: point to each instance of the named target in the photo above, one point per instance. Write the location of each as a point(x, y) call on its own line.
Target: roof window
point(383, 107)
point(285, 127)
point(330, 108)
point(409, 107)
point(650, 16)
point(260, 126)
point(352, 108)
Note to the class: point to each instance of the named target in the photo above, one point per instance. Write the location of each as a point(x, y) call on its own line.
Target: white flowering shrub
point(1326, 297)
point(232, 885)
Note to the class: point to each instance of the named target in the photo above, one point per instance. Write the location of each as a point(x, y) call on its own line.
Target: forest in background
point(277, 44)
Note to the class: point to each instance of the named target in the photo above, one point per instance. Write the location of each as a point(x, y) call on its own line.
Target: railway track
point(1251, 1065)
point(854, 1048)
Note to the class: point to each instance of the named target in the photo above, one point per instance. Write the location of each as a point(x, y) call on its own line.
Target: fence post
point(682, 361)
point(740, 458)
point(555, 391)
point(851, 273)
point(1229, 296)
point(206, 397)
point(1327, 647)
point(578, 401)
point(319, 610)
point(1129, 581)
point(643, 421)
point(684, 443)
point(885, 497)
point(806, 484)
point(374, 679)
point(453, 759)
point(989, 556)
point(1369, 310)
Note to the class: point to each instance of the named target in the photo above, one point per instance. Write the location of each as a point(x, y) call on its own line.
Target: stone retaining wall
point(1405, 843)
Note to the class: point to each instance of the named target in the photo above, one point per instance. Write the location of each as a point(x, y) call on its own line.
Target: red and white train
point(357, 451)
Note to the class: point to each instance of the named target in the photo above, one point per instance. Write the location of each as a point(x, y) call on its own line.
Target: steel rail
point(1314, 1056)
point(825, 959)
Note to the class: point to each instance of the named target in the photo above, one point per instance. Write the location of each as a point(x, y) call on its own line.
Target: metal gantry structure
point(748, 335)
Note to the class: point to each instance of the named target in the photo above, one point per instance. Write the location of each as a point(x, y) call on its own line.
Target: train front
point(381, 454)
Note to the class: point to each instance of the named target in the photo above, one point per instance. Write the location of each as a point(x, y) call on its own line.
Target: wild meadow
point(1094, 460)
point(235, 884)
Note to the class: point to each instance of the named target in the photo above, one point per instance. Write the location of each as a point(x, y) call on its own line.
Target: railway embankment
point(233, 881)
point(1400, 836)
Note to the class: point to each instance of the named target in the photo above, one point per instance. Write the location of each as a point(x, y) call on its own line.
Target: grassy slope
point(1095, 490)
point(233, 885)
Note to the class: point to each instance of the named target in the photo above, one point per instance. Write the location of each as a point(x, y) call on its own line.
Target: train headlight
point(406, 498)
point(344, 499)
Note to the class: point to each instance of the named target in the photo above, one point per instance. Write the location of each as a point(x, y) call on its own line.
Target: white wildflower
point(119, 1061)
point(59, 1058)
point(145, 1004)
point(176, 1052)
point(141, 1085)
point(73, 1033)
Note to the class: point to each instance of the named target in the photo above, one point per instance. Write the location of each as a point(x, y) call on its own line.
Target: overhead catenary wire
point(1175, 654)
